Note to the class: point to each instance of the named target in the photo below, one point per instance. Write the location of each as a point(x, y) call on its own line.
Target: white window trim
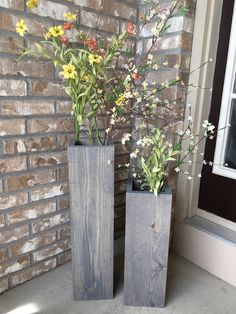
point(206, 30)
point(219, 168)
point(205, 41)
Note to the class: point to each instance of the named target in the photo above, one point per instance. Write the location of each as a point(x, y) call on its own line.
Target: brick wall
point(174, 48)
point(36, 127)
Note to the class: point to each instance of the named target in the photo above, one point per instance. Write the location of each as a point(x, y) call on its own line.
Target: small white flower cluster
point(126, 138)
point(134, 154)
point(208, 126)
point(145, 141)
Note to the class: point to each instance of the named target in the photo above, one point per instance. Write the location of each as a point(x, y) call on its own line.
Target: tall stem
point(97, 130)
point(77, 130)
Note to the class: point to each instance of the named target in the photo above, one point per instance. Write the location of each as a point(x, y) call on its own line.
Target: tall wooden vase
point(91, 181)
point(146, 247)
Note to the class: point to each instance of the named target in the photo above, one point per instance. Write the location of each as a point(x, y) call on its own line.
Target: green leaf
point(183, 10)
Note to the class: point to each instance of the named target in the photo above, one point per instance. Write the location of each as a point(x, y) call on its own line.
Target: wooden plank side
point(146, 249)
point(91, 174)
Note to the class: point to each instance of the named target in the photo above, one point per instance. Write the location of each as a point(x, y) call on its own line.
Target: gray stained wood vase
point(146, 248)
point(91, 181)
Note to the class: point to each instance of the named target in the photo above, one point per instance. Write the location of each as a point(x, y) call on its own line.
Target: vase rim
point(166, 191)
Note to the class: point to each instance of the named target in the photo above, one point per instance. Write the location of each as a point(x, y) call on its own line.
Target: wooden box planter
point(147, 237)
point(91, 181)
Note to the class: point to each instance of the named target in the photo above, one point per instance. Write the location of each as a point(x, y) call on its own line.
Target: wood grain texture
point(146, 248)
point(91, 180)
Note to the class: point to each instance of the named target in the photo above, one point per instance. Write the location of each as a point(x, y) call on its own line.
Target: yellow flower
point(47, 35)
point(120, 100)
point(32, 3)
point(86, 78)
point(69, 16)
point(68, 71)
point(94, 59)
point(21, 28)
point(56, 31)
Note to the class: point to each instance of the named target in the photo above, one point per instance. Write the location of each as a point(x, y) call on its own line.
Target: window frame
point(219, 166)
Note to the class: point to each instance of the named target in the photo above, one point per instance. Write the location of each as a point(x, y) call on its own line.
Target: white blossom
point(126, 138)
point(134, 154)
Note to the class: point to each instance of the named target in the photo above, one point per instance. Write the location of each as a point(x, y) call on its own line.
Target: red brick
point(64, 258)
point(21, 247)
point(120, 187)
point(31, 212)
point(2, 220)
point(3, 255)
point(44, 160)
point(12, 164)
point(13, 4)
point(13, 200)
point(8, 23)
point(102, 22)
point(119, 199)
point(11, 45)
point(119, 9)
point(32, 272)
point(120, 211)
point(91, 4)
point(64, 203)
point(179, 41)
point(48, 8)
point(3, 285)
point(51, 250)
point(46, 88)
point(51, 125)
point(121, 160)
point(26, 107)
point(29, 144)
point(50, 191)
point(26, 68)
point(120, 224)
point(64, 232)
point(9, 235)
point(63, 173)
point(13, 266)
point(64, 140)
point(12, 87)
point(64, 107)
point(12, 127)
point(50, 222)
point(30, 179)
point(162, 76)
point(121, 174)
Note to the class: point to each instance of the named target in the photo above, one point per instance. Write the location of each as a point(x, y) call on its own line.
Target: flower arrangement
point(104, 96)
point(107, 95)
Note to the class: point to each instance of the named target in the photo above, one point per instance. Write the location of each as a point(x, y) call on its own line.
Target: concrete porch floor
point(190, 290)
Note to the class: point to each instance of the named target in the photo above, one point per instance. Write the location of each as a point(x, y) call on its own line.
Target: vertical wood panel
point(146, 248)
point(91, 175)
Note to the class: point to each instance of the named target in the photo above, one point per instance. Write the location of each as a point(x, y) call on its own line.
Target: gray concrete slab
point(190, 290)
